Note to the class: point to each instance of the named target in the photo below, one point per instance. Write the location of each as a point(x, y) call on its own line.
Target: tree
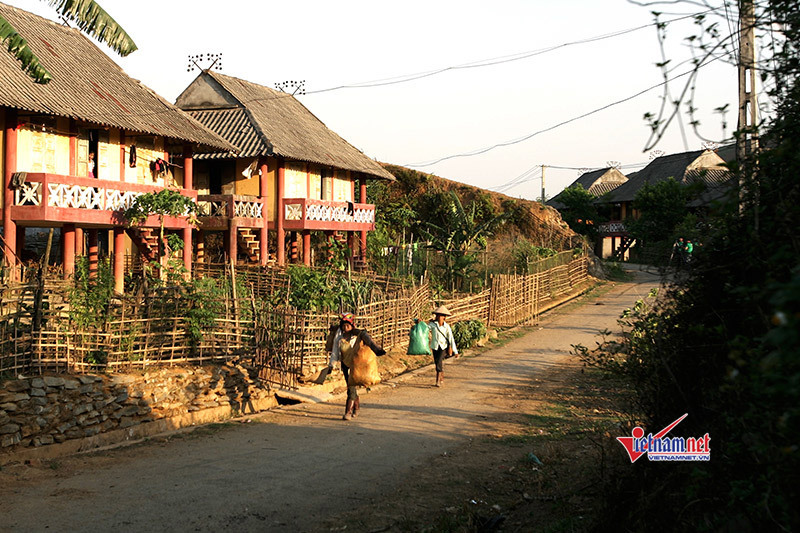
point(458, 235)
point(580, 210)
point(88, 16)
point(662, 207)
point(723, 346)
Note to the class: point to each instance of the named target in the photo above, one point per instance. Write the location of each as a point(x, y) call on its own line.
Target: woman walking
point(343, 343)
point(442, 341)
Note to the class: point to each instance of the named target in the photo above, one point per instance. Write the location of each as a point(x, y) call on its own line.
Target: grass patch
point(616, 272)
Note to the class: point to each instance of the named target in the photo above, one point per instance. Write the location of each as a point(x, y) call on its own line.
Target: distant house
point(595, 182)
point(291, 176)
point(78, 150)
point(688, 167)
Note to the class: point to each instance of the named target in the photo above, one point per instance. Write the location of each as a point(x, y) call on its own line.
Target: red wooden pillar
point(68, 249)
point(279, 216)
point(188, 184)
point(119, 260)
point(10, 166)
point(363, 200)
point(79, 241)
point(307, 247)
point(93, 252)
point(264, 192)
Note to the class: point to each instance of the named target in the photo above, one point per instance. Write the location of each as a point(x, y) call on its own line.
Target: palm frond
point(96, 22)
point(20, 49)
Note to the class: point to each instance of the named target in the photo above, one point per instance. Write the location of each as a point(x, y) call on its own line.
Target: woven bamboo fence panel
point(470, 307)
point(516, 299)
point(16, 319)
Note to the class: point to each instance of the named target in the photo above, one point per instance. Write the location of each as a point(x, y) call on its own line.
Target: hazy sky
point(331, 44)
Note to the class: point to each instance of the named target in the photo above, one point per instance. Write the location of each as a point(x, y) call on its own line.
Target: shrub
point(467, 332)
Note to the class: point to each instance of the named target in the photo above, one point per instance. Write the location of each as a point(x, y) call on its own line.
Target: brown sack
point(364, 370)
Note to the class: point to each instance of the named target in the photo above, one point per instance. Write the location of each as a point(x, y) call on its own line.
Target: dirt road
point(294, 468)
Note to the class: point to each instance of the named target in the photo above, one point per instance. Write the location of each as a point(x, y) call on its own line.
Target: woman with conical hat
point(442, 341)
point(343, 343)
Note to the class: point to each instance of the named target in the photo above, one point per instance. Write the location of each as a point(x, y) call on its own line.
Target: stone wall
point(48, 410)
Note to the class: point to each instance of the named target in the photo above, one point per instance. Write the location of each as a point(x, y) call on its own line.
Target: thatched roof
point(263, 121)
point(87, 85)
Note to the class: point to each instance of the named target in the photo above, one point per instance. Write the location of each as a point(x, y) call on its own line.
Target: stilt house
point(78, 150)
point(290, 176)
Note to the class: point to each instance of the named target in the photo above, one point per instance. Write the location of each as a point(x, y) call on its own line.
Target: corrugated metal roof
point(660, 169)
point(592, 182)
point(87, 85)
point(235, 126)
point(283, 125)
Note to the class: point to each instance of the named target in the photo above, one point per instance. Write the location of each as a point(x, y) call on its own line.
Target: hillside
point(531, 220)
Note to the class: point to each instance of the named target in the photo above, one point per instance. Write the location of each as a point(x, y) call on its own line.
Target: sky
point(458, 111)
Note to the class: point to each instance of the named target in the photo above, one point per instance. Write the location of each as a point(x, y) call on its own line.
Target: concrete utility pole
point(543, 198)
point(747, 142)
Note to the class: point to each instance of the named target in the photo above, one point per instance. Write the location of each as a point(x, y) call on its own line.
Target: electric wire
point(480, 151)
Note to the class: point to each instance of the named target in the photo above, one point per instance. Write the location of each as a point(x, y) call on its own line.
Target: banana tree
point(87, 15)
point(459, 236)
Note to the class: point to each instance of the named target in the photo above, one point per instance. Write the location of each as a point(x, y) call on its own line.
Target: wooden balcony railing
point(49, 198)
point(310, 214)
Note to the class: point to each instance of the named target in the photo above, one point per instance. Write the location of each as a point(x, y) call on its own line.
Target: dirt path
point(292, 469)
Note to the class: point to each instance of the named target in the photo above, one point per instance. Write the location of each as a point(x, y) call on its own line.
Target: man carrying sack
point(355, 350)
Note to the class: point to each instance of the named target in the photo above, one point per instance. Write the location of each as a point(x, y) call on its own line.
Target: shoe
point(348, 410)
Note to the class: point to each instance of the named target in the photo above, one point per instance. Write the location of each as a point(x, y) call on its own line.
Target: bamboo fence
point(153, 328)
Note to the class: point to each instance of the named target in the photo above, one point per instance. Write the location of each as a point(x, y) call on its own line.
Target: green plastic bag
point(419, 342)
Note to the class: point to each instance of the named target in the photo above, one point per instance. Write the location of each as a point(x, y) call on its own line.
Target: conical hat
point(442, 310)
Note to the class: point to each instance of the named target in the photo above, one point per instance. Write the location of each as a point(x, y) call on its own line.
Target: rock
point(17, 385)
point(86, 380)
point(9, 440)
point(39, 401)
point(43, 440)
point(8, 429)
point(17, 397)
point(11, 407)
point(70, 384)
point(37, 392)
point(126, 422)
point(37, 383)
point(53, 381)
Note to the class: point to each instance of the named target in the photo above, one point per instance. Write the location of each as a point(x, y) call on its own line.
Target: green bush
point(467, 332)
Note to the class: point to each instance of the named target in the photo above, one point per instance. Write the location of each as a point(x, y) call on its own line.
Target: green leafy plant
point(161, 204)
point(467, 332)
point(205, 298)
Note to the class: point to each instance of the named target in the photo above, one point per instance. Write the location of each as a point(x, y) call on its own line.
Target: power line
point(474, 64)
point(563, 123)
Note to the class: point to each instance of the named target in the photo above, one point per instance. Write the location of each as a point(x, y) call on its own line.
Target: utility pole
point(747, 142)
point(543, 198)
